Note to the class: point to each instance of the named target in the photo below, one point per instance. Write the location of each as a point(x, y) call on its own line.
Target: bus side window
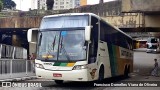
point(94, 40)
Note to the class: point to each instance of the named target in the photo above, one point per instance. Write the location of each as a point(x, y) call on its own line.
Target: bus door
point(93, 48)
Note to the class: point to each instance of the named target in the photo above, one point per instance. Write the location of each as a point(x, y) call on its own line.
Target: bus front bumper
point(152, 51)
point(73, 75)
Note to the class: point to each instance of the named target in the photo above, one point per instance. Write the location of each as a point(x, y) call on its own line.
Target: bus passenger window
point(94, 40)
point(92, 60)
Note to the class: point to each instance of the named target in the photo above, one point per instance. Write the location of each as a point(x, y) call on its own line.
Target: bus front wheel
point(101, 73)
point(59, 81)
point(126, 72)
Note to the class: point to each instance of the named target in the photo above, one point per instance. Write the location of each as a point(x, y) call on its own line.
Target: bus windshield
point(61, 45)
point(152, 40)
point(64, 22)
point(152, 43)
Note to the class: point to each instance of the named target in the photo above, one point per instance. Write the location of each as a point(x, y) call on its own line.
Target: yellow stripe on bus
point(70, 64)
point(47, 56)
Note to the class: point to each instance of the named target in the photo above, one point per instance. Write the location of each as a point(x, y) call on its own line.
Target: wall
point(128, 20)
point(32, 48)
point(20, 22)
point(32, 19)
point(140, 5)
point(152, 21)
point(110, 11)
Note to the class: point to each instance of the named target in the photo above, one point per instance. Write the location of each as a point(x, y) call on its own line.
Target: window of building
point(61, 7)
point(67, 2)
point(61, 3)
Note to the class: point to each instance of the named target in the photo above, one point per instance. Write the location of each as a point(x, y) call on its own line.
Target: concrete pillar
point(32, 48)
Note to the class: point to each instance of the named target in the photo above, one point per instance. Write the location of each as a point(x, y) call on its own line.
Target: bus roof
point(91, 14)
point(68, 14)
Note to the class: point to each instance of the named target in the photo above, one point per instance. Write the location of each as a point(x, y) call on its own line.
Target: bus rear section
point(153, 45)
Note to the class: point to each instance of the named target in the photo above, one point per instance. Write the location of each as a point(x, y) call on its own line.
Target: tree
point(9, 4)
point(13, 4)
point(1, 5)
point(50, 4)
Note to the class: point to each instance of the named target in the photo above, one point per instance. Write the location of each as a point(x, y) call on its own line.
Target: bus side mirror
point(87, 33)
point(32, 35)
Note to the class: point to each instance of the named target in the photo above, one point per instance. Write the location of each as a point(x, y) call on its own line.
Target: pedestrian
point(33, 57)
point(29, 57)
point(155, 69)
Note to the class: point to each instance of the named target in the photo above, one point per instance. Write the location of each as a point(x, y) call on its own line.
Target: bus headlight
point(79, 67)
point(39, 66)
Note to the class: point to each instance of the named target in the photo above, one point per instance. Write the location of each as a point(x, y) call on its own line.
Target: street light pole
point(20, 4)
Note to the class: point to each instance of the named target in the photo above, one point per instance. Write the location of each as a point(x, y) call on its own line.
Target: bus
point(81, 47)
point(153, 45)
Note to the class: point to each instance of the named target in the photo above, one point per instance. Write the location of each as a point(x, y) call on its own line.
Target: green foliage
point(9, 4)
point(1, 5)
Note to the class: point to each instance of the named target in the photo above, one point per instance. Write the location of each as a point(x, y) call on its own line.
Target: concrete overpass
point(110, 11)
point(128, 15)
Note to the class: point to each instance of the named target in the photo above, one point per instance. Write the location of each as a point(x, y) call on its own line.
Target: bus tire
point(101, 73)
point(59, 81)
point(126, 71)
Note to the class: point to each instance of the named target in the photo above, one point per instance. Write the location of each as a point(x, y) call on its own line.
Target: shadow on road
point(88, 85)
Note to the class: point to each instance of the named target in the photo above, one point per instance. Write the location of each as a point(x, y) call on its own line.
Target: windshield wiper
point(62, 47)
point(65, 52)
point(51, 47)
point(40, 39)
point(53, 44)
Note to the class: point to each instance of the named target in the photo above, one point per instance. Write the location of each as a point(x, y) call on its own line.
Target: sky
point(23, 4)
point(26, 4)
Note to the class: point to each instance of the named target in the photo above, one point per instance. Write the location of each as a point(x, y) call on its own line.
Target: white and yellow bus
point(81, 47)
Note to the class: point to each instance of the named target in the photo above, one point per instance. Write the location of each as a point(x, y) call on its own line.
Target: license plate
point(57, 75)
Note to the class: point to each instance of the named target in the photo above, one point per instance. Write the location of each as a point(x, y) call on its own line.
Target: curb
point(139, 50)
point(19, 79)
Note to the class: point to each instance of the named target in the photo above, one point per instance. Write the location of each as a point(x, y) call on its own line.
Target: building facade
point(34, 4)
point(41, 4)
point(66, 4)
point(59, 4)
point(83, 2)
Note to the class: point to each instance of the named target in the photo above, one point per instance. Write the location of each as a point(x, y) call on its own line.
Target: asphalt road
point(143, 64)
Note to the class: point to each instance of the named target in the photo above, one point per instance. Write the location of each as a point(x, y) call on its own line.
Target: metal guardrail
point(14, 63)
point(12, 52)
point(16, 68)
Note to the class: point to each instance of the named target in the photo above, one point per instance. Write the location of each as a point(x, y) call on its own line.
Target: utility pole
point(100, 1)
point(20, 4)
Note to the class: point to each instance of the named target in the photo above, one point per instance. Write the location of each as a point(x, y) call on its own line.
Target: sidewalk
point(19, 79)
point(137, 77)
